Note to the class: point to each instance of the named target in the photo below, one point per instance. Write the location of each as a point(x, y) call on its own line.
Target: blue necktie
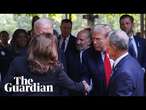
point(131, 48)
point(63, 60)
point(63, 45)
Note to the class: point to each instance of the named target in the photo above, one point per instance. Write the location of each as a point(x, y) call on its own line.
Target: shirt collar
point(67, 38)
point(131, 37)
point(120, 58)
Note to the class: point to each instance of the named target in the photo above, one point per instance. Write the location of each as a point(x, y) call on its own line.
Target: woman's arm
point(65, 81)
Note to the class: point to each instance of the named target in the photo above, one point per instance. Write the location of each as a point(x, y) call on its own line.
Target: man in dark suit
point(94, 61)
point(127, 78)
point(66, 41)
point(74, 61)
point(137, 45)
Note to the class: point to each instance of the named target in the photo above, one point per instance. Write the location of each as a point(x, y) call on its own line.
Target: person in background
point(139, 34)
point(136, 45)
point(43, 25)
point(6, 54)
point(30, 32)
point(66, 41)
point(19, 42)
point(4, 38)
point(74, 63)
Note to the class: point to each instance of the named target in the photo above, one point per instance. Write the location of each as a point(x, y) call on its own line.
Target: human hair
point(16, 35)
point(18, 31)
point(34, 19)
point(119, 39)
point(4, 37)
point(43, 25)
point(42, 53)
point(88, 34)
point(103, 29)
point(66, 21)
point(4, 34)
point(88, 29)
point(127, 16)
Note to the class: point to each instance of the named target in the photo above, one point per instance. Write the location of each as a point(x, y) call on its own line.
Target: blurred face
point(4, 39)
point(21, 40)
point(82, 41)
point(99, 41)
point(111, 49)
point(43, 29)
point(66, 29)
point(126, 25)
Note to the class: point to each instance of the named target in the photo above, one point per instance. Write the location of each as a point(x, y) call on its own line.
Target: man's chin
point(78, 48)
point(98, 49)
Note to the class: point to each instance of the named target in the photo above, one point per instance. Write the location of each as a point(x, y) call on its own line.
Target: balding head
point(43, 25)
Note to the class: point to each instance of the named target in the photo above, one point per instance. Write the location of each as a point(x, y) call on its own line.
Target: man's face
point(126, 25)
point(99, 41)
point(111, 50)
point(21, 40)
point(66, 29)
point(82, 41)
point(43, 29)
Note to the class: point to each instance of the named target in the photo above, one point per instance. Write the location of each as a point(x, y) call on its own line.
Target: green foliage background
point(10, 22)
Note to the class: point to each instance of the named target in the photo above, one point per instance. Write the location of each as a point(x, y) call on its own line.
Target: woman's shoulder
point(57, 69)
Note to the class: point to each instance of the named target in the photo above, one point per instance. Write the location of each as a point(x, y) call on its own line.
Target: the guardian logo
point(26, 85)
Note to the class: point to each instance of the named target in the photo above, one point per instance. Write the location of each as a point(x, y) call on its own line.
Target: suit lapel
point(99, 61)
point(118, 66)
point(70, 44)
point(138, 45)
point(100, 74)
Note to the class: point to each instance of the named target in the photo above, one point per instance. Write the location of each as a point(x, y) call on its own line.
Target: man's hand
point(87, 87)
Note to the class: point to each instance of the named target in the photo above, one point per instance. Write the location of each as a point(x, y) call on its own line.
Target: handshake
point(87, 87)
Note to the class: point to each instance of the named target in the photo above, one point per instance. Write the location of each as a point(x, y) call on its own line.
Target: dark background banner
point(60, 6)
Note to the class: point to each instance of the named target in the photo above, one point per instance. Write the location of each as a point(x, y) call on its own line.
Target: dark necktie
point(81, 53)
point(131, 49)
point(107, 68)
point(63, 45)
point(63, 61)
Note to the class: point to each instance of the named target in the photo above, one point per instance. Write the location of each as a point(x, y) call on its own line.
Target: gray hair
point(102, 28)
point(45, 22)
point(87, 32)
point(119, 39)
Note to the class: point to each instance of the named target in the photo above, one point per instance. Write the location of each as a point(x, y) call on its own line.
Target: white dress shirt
point(111, 60)
point(134, 45)
point(118, 60)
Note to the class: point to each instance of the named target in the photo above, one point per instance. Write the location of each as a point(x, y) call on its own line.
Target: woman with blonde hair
point(42, 66)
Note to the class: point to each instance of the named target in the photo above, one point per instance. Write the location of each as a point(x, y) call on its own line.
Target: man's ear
point(114, 47)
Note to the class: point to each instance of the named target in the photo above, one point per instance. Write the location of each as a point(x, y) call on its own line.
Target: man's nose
point(94, 42)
